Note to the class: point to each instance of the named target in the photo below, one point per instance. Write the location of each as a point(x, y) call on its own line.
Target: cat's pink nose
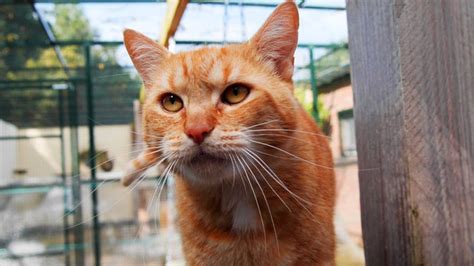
point(199, 132)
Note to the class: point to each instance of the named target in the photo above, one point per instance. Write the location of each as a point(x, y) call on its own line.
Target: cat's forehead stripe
point(201, 69)
point(216, 74)
point(172, 78)
point(178, 79)
point(234, 73)
point(207, 63)
point(225, 69)
point(163, 80)
point(189, 64)
point(185, 67)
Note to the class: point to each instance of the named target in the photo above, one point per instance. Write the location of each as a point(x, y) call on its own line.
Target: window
point(347, 133)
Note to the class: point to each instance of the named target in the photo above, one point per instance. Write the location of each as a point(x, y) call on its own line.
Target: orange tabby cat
point(254, 176)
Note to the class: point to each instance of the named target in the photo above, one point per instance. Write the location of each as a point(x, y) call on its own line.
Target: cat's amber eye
point(235, 94)
point(171, 102)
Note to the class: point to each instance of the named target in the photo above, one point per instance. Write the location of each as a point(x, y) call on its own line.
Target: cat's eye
point(171, 102)
point(235, 94)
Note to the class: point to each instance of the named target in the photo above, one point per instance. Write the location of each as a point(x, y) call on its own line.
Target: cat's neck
point(237, 207)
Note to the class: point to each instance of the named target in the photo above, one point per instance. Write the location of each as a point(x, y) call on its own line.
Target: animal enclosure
point(69, 105)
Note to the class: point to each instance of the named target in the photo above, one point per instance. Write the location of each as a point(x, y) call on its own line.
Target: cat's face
point(204, 104)
point(206, 109)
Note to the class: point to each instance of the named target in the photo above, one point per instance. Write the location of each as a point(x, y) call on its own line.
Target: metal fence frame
point(73, 183)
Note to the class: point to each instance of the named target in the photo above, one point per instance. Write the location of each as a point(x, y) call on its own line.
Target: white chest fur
point(244, 214)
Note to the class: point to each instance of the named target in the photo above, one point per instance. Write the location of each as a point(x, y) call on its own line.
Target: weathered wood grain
point(413, 78)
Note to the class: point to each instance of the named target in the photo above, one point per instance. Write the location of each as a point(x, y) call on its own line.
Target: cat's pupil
point(172, 99)
point(235, 91)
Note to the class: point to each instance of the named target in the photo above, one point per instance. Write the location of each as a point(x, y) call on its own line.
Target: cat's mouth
point(203, 157)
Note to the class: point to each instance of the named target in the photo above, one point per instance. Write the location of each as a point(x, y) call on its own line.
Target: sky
point(206, 22)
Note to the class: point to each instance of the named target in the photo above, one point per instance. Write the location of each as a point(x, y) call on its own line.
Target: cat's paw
point(137, 167)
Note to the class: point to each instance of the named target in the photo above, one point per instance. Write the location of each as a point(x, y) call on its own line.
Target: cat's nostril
point(198, 133)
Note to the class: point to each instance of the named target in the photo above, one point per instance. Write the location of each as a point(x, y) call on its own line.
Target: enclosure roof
point(233, 23)
point(37, 51)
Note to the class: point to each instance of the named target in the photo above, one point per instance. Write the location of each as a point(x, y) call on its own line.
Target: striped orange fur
point(254, 173)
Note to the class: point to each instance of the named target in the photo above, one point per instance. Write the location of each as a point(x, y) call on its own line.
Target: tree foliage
point(114, 88)
point(17, 23)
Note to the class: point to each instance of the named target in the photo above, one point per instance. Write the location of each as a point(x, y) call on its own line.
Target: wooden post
point(174, 13)
point(413, 76)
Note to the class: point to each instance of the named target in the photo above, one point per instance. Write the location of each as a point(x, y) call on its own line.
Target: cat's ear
point(145, 53)
point(277, 39)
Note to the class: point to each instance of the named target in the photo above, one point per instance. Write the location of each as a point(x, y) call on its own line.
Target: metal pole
point(76, 178)
point(49, 32)
point(67, 257)
point(92, 154)
point(29, 44)
point(314, 86)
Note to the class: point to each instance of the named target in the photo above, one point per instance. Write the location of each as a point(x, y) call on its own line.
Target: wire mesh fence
point(68, 126)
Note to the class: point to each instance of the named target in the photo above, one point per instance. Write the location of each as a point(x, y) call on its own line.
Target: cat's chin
point(206, 168)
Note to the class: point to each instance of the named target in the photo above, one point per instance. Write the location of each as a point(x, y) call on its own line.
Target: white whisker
point(263, 177)
point(266, 203)
point(292, 155)
point(255, 197)
point(275, 177)
point(288, 130)
point(260, 124)
point(109, 207)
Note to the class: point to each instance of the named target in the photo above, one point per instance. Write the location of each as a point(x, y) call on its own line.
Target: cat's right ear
point(145, 53)
point(277, 39)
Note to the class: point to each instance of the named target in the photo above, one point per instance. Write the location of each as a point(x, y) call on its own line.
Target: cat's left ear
point(277, 39)
point(146, 55)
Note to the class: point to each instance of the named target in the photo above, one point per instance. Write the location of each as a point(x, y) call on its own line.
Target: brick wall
point(348, 204)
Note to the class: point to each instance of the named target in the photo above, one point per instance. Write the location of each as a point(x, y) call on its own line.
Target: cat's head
point(207, 109)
